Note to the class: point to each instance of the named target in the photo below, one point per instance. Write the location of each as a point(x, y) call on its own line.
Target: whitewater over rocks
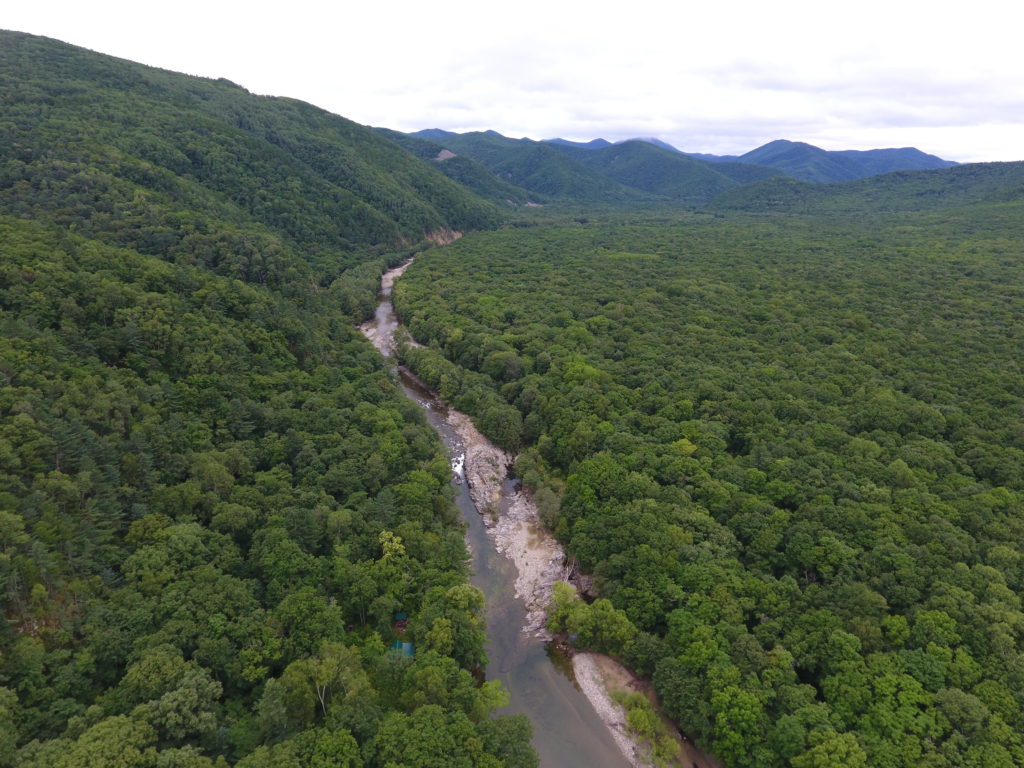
point(512, 522)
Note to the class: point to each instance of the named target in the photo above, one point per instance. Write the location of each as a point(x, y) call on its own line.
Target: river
point(567, 730)
point(514, 563)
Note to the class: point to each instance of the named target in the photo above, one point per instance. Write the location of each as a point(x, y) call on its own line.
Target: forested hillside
point(466, 171)
point(537, 167)
point(809, 163)
point(152, 159)
point(217, 513)
point(788, 448)
point(782, 436)
point(660, 171)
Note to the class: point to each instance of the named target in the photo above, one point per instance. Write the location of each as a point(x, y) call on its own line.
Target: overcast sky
point(720, 77)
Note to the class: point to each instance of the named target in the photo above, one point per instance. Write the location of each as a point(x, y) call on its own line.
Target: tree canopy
point(789, 450)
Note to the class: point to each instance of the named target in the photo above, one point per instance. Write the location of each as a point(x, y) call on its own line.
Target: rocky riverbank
point(513, 524)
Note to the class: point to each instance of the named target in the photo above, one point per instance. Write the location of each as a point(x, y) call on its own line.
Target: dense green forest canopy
point(217, 512)
point(789, 448)
point(784, 435)
point(664, 172)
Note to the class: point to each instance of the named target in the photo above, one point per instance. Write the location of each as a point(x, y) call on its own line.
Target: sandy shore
point(598, 676)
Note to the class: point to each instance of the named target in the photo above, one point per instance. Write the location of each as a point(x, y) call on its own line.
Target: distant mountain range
point(330, 187)
point(666, 174)
point(804, 161)
point(937, 189)
point(548, 171)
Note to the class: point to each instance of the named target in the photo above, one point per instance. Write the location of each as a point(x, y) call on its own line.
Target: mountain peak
point(810, 163)
point(592, 144)
point(655, 141)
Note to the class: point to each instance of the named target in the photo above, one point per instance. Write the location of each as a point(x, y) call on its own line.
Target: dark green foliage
point(639, 169)
point(213, 498)
point(466, 171)
point(660, 171)
point(746, 173)
point(540, 168)
point(788, 449)
point(175, 537)
point(592, 144)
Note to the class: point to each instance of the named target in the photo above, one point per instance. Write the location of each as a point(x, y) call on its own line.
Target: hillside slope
point(162, 154)
point(541, 168)
point(645, 166)
point(460, 168)
point(213, 496)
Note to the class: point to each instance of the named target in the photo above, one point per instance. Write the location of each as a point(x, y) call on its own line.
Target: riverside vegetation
point(783, 435)
point(215, 505)
point(789, 449)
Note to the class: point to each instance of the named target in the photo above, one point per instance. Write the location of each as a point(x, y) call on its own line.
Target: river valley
point(514, 563)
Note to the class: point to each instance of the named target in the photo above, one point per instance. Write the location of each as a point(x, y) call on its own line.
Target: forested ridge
point(217, 512)
point(147, 158)
point(789, 450)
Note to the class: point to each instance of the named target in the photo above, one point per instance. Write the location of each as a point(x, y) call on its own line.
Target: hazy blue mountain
point(809, 163)
point(656, 142)
point(712, 158)
point(803, 161)
point(602, 143)
point(875, 161)
point(600, 170)
point(432, 134)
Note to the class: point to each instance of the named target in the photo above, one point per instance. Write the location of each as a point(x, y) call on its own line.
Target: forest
point(778, 423)
point(788, 448)
point(217, 511)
